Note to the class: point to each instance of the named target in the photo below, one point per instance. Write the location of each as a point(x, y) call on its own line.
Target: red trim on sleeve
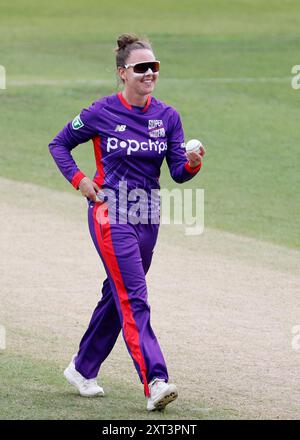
point(77, 178)
point(194, 169)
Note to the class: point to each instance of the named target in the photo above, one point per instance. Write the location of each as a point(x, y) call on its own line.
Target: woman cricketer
point(132, 133)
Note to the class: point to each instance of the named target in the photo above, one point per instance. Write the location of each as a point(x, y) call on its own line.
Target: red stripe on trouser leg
point(131, 332)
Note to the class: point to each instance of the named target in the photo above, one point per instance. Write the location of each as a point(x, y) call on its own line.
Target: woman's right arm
point(78, 131)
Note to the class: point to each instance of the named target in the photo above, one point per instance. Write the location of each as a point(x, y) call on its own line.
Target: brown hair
point(126, 44)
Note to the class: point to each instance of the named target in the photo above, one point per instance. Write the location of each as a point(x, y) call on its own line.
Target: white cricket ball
point(193, 145)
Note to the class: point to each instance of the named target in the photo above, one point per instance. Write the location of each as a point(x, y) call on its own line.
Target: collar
point(129, 106)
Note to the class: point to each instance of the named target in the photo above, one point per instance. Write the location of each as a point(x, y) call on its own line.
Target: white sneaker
point(161, 393)
point(86, 387)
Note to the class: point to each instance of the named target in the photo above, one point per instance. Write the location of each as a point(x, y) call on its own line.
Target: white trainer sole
point(169, 396)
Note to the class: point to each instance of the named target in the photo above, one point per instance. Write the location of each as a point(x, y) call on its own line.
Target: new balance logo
point(120, 128)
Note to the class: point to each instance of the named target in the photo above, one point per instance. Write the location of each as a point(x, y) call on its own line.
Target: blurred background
point(225, 304)
point(225, 65)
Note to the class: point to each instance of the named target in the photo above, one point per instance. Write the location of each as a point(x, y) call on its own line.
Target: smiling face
point(138, 84)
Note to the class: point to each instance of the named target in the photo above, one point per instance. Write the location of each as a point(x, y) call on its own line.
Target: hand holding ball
point(193, 145)
point(193, 149)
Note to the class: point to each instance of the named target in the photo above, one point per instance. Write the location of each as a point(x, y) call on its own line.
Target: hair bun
point(126, 39)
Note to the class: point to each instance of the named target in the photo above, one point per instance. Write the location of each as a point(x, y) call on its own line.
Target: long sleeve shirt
point(130, 143)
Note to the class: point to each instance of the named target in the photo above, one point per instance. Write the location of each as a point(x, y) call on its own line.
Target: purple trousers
point(126, 251)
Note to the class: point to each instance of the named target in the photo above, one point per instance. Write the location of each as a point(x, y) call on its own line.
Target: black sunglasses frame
point(142, 67)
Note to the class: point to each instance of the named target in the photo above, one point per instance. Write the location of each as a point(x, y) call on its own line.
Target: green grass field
point(33, 397)
point(250, 128)
point(226, 66)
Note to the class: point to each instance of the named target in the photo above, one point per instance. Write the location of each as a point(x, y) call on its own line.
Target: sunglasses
point(144, 66)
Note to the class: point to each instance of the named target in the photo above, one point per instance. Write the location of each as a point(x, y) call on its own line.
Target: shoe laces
point(156, 384)
point(89, 382)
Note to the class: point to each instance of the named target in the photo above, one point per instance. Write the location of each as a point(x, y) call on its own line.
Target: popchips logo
point(131, 145)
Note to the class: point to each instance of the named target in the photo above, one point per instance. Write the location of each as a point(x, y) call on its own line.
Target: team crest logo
point(77, 123)
point(156, 129)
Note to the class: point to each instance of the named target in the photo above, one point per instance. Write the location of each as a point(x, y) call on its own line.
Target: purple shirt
point(130, 143)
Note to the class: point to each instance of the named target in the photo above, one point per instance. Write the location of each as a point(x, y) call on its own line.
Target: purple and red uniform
point(130, 144)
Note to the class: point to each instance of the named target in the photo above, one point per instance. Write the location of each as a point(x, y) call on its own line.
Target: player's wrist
point(77, 178)
point(192, 168)
point(194, 164)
